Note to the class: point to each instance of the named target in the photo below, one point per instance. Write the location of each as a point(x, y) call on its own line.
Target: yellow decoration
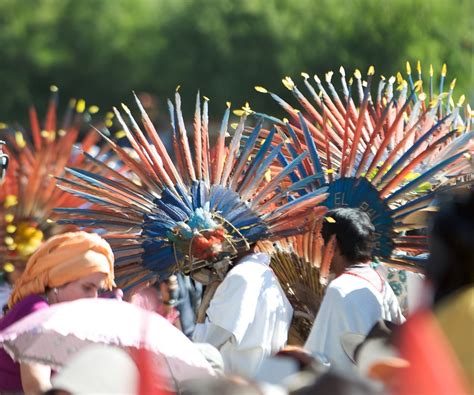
point(20, 140)
point(357, 74)
point(10, 201)
point(288, 83)
point(80, 106)
point(9, 217)
point(371, 70)
point(331, 220)
point(268, 175)
point(8, 268)
point(444, 70)
point(11, 228)
point(120, 134)
point(93, 109)
point(261, 89)
point(408, 68)
point(411, 176)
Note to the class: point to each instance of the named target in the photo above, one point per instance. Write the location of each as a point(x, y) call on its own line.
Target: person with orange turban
point(67, 267)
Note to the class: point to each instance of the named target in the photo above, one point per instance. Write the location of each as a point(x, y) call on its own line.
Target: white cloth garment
point(353, 302)
point(248, 317)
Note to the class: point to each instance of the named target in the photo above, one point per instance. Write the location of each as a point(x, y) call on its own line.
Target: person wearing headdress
point(248, 317)
point(35, 157)
point(201, 212)
point(358, 296)
point(67, 267)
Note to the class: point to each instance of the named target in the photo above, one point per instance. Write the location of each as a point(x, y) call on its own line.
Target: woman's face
point(85, 287)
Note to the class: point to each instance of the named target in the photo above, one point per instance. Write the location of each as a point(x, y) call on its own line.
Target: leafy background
point(101, 50)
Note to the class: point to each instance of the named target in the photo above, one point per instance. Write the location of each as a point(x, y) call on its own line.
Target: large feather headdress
point(198, 207)
point(389, 152)
point(28, 194)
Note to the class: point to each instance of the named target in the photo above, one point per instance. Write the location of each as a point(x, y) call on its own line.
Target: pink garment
point(150, 299)
point(10, 379)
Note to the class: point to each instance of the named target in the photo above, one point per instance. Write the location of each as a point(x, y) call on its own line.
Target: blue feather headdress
point(197, 208)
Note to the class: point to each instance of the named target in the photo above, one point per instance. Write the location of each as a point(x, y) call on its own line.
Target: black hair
point(451, 262)
point(354, 233)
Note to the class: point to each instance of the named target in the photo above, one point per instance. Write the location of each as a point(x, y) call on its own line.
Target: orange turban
point(62, 259)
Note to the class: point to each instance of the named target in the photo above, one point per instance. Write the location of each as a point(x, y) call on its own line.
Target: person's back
point(358, 296)
point(252, 309)
point(353, 302)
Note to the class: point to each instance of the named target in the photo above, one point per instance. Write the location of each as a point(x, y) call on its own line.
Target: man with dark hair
point(358, 296)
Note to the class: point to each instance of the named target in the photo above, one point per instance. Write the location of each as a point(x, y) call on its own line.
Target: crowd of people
point(329, 254)
point(352, 348)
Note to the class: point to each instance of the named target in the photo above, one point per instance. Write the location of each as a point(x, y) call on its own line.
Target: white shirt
point(248, 317)
point(353, 302)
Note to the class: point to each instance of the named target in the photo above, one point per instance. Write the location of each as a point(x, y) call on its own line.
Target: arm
point(35, 378)
point(212, 334)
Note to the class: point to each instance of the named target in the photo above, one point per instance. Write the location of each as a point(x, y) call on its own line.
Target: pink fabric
point(52, 335)
point(10, 379)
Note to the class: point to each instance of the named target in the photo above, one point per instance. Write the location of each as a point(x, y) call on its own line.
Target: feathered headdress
point(301, 264)
point(388, 153)
point(199, 207)
point(29, 194)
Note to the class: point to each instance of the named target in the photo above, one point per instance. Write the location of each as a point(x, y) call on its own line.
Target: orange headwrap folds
point(62, 259)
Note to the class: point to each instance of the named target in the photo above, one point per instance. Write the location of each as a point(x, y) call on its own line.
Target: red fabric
point(434, 369)
point(151, 380)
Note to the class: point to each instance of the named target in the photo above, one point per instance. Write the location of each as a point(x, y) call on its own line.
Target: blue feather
point(318, 169)
point(411, 150)
point(424, 177)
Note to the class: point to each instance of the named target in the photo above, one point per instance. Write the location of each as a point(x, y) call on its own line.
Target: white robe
point(248, 317)
point(351, 304)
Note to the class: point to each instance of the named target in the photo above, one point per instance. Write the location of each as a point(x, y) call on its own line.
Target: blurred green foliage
point(103, 49)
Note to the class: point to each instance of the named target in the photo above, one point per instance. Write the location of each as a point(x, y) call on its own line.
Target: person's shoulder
point(341, 285)
point(252, 263)
point(31, 303)
point(23, 308)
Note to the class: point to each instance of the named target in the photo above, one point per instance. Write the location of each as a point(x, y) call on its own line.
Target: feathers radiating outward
point(194, 209)
point(29, 194)
point(301, 264)
point(387, 153)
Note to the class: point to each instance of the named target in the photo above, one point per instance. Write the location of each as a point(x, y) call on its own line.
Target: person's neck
point(348, 266)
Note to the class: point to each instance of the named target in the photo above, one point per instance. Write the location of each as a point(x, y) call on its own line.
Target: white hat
point(98, 369)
